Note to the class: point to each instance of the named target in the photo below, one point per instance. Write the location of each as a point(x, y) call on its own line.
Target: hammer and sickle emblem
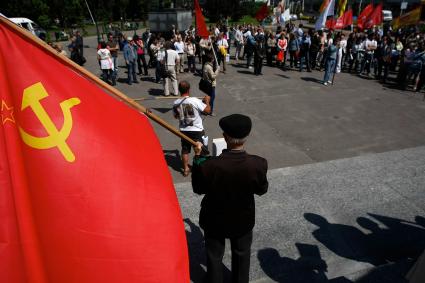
point(56, 138)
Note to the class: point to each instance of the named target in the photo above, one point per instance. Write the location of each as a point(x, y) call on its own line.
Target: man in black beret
point(229, 183)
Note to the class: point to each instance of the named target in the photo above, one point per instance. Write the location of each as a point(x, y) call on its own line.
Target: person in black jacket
point(229, 183)
point(259, 54)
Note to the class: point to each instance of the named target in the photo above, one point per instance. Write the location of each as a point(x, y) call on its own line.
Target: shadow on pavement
point(173, 159)
point(240, 65)
point(156, 91)
point(310, 79)
point(283, 76)
point(245, 72)
point(162, 109)
point(391, 245)
point(197, 258)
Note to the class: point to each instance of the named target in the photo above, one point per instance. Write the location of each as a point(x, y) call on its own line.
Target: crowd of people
point(376, 53)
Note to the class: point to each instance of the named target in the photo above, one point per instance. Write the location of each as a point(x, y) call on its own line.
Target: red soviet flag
point(85, 194)
point(348, 17)
point(375, 18)
point(262, 12)
point(361, 19)
point(201, 27)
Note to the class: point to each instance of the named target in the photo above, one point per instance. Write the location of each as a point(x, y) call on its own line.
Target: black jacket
point(229, 183)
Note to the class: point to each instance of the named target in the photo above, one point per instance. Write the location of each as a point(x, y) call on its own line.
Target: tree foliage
point(218, 10)
point(75, 12)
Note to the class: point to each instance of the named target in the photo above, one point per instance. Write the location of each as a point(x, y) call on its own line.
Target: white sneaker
point(249, 67)
point(325, 83)
point(329, 82)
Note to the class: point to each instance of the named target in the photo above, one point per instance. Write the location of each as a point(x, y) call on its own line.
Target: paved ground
point(296, 119)
point(331, 221)
point(347, 172)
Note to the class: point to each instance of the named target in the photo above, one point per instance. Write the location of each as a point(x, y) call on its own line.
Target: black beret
point(236, 126)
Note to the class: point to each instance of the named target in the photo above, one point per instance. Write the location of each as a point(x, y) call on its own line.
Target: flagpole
point(29, 36)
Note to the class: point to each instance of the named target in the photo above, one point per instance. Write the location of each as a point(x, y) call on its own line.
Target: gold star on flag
point(6, 113)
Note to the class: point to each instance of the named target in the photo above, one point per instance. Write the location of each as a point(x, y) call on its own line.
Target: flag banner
point(348, 18)
point(342, 4)
point(286, 16)
point(341, 22)
point(374, 18)
point(201, 27)
point(85, 193)
point(361, 19)
point(325, 11)
point(410, 18)
point(262, 12)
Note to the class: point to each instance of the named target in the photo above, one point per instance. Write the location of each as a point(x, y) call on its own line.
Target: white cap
point(129, 38)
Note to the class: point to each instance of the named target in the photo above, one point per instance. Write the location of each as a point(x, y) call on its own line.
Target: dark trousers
point(305, 59)
point(191, 63)
point(258, 64)
point(141, 57)
point(382, 66)
point(241, 254)
point(293, 58)
point(212, 96)
point(249, 56)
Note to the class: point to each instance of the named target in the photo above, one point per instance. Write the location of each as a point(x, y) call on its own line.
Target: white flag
point(321, 21)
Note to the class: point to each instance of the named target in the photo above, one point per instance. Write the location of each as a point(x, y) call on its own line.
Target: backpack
point(163, 72)
point(185, 113)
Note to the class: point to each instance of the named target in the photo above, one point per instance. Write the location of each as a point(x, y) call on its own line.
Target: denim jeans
point(212, 95)
point(329, 69)
point(115, 70)
point(131, 68)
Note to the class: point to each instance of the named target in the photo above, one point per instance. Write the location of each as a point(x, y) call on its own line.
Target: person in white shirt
point(341, 53)
point(179, 47)
point(222, 51)
point(369, 46)
point(105, 58)
point(239, 42)
point(188, 111)
point(190, 50)
point(205, 45)
point(171, 60)
point(216, 31)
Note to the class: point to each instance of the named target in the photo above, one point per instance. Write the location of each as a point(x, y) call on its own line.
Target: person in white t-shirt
point(106, 64)
point(369, 46)
point(188, 111)
point(172, 60)
point(222, 45)
point(179, 47)
point(239, 42)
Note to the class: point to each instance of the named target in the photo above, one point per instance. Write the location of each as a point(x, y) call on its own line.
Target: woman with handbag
point(282, 43)
point(209, 80)
point(141, 55)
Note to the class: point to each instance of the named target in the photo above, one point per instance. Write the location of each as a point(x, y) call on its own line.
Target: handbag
point(280, 56)
point(205, 86)
point(163, 67)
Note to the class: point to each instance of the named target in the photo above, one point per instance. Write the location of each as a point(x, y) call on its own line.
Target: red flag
point(348, 18)
point(85, 193)
point(200, 22)
point(361, 19)
point(374, 18)
point(330, 23)
point(262, 12)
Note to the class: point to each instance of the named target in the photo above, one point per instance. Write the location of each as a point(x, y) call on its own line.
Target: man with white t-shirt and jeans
point(172, 60)
point(188, 110)
point(370, 46)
